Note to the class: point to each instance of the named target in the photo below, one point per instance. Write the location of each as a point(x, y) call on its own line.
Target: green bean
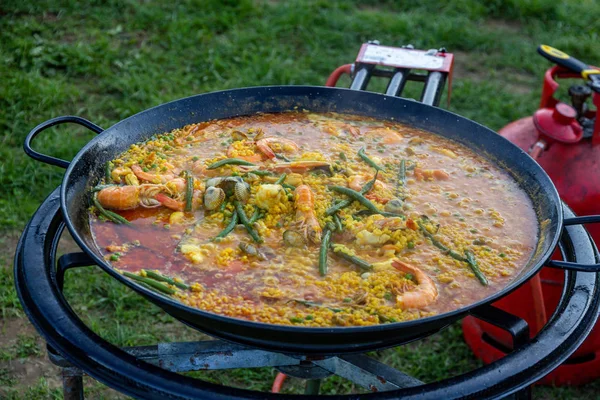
point(107, 171)
point(469, 259)
point(402, 173)
point(229, 161)
point(114, 217)
point(281, 179)
point(369, 185)
point(354, 195)
point(313, 304)
point(244, 219)
point(261, 173)
point(189, 191)
point(365, 158)
point(353, 259)
point(282, 157)
point(384, 213)
point(345, 203)
point(229, 228)
point(98, 188)
point(290, 187)
point(256, 216)
point(155, 285)
point(338, 222)
point(323, 250)
point(431, 237)
point(475, 268)
point(384, 319)
point(162, 278)
point(343, 156)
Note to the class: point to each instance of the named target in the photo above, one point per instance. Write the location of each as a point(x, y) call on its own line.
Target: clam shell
point(241, 191)
point(214, 181)
point(227, 183)
point(213, 197)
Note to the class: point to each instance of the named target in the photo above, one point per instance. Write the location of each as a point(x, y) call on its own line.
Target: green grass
point(105, 61)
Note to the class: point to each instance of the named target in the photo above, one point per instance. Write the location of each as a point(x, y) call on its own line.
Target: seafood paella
point(313, 219)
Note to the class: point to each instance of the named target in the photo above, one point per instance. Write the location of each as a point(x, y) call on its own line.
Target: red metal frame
point(337, 73)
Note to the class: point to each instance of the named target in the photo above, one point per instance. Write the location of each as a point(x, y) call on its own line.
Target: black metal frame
point(38, 280)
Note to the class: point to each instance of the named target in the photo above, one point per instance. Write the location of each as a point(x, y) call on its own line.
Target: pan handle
point(47, 124)
point(589, 219)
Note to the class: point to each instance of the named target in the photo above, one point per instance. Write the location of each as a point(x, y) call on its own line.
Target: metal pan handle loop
point(47, 124)
point(588, 219)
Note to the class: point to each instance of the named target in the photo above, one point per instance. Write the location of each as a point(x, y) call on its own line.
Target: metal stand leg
point(312, 387)
point(72, 383)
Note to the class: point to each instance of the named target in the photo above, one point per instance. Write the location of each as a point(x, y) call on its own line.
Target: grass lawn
point(107, 60)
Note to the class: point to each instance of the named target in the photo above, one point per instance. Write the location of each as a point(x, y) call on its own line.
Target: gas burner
point(151, 371)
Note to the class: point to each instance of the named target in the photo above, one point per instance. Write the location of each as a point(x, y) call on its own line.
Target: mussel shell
point(293, 239)
point(251, 250)
point(394, 206)
point(213, 197)
point(241, 191)
point(238, 135)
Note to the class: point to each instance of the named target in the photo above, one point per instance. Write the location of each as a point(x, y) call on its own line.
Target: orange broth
point(448, 193)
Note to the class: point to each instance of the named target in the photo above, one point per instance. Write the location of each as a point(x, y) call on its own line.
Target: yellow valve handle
point(564, 60)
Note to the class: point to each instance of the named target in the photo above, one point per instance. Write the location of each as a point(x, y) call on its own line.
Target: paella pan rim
point(370, 101)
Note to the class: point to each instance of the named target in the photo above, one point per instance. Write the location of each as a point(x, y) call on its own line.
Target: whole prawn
point(424, 294)
point(129, 197)
point(286, 145)
point(305, 213)
point(147, 195)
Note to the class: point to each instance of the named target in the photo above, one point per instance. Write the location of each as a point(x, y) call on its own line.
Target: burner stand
point(151, 371)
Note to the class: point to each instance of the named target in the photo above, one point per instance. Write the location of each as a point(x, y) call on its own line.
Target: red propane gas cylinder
point(565, 141)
